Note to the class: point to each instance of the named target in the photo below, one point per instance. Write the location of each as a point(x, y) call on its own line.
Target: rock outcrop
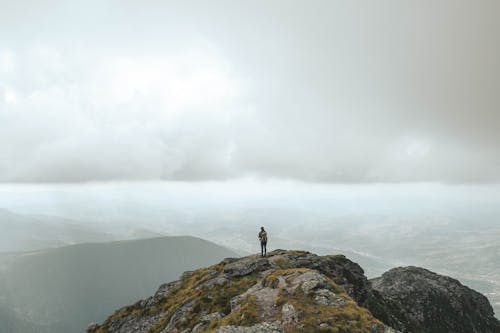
point(419, 301)
point(295, 291)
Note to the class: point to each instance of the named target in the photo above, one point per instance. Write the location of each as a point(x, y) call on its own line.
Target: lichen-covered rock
point(327, 297)
point(246, 266)
point(258, 328)
point(288, 314)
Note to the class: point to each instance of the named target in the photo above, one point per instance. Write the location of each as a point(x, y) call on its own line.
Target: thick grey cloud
point(324, 91)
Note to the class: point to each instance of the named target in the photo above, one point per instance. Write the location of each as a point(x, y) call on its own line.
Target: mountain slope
point(295, 291)
point(11, 322)
point(63, 289)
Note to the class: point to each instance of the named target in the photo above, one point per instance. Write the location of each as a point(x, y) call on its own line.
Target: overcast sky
point(321, 91)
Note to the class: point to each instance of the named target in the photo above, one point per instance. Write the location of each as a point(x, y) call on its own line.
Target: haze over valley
point(451, 230)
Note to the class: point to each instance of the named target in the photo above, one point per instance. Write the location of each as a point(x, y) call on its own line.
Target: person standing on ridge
point(263, 241)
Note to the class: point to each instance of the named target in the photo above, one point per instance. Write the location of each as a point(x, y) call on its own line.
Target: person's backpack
point(263, 237)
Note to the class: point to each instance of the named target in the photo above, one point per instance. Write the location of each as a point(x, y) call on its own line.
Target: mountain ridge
point(297, 291)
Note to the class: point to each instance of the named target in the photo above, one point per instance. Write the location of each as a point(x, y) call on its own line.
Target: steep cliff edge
point(288, 291)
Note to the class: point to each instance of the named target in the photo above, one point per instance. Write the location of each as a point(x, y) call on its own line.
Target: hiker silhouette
point(263, 241)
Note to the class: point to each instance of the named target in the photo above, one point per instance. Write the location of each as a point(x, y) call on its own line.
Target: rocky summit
point(296, 291)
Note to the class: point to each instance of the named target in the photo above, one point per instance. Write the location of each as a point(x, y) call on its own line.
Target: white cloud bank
point(117, 118)
point(311, 91)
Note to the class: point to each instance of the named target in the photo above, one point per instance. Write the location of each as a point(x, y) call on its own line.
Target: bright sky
point(315, 91)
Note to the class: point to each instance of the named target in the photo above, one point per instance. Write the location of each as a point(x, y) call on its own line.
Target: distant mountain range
point(33, 232)
point(64, 289)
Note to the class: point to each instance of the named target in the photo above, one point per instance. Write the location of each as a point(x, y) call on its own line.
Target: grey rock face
point(265, 297)
point(326, 297)
point(288, 314)
point(131, 324)
point(419, 301)
point(205, 320)
point(311, 281)
point(259, 328)
point(178, 316)
point(162, 292)
point(246, 266)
